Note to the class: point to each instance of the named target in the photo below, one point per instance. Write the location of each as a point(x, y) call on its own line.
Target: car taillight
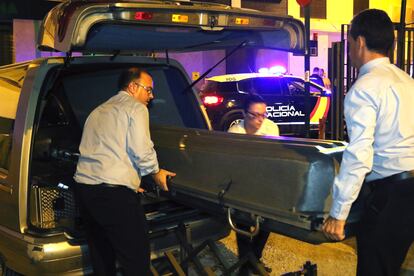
point(212, 100)
point(143, 16)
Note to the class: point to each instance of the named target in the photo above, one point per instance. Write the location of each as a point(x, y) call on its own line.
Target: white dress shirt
point(268, 128)
point(379, 111)
point(116, 146)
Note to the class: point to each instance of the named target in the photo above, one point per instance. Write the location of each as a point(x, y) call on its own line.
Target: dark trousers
point(116, 230)
point(246, 244)
point(386, 229)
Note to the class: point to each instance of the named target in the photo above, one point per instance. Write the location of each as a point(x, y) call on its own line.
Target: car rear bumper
point(62, 256)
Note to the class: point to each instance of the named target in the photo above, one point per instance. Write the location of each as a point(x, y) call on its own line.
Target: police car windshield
point(298, 84)
point(263, 86)
point(219, 87)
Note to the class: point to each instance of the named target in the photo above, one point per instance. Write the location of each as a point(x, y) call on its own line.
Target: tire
point(231, 120)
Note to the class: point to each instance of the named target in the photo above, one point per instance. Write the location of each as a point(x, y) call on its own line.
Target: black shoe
point(244, 271)
point(266, 268)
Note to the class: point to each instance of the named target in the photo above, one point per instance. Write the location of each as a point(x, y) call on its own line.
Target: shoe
point(244, 271)
point(267, 269)
point(248, 270)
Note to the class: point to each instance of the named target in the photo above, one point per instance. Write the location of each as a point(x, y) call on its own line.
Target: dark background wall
point(360, 5)
point(6, 43)
point(24, 9)
point(244, 60)
point(17, 9)
point(318, 9)
point(278, 7)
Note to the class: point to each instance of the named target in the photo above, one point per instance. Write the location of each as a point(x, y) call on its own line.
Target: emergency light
point(277, 69)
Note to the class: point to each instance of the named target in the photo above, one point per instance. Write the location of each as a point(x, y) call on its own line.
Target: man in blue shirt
point(115, 152)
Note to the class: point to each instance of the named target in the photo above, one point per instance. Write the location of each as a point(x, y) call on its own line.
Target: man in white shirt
point(115, 152)
point(378, 113)
point(254, 123)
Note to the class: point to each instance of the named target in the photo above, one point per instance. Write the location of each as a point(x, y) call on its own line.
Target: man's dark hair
point(316, 70)
point(127, 76)
point(377, 29)
point(252, 99)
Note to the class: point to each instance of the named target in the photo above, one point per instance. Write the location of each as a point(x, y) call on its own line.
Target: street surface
point(284, 254)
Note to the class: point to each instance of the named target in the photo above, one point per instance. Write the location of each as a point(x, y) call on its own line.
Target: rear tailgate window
point(173, 105)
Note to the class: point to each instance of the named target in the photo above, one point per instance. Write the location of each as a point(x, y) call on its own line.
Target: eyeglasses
point(257, 115)
point(149, 89)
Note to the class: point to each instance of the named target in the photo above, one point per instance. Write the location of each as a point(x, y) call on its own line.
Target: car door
point(319, 101)
point(295, 94)
point(271, 90)
point(148, 26)
point(206, 162)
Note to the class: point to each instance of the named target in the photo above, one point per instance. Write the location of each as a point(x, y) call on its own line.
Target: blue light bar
point(277, 70)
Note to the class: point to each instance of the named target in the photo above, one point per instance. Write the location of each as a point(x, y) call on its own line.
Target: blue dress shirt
point(116, 146)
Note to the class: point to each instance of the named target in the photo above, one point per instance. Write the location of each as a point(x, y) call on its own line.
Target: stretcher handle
point(249, 234)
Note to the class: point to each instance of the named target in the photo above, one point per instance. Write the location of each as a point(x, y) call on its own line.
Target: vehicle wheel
point(232, 120)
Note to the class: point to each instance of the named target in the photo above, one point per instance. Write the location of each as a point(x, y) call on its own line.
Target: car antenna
point(167, 57)
point(241, 45)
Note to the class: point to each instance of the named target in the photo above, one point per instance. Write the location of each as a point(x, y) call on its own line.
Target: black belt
point(106, 185)
point(393, 178)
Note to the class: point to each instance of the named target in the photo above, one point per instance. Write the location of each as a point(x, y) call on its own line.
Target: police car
point(223, 97)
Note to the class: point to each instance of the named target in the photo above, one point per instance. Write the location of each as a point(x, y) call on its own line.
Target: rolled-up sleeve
point(139, 145)
point(360, 115)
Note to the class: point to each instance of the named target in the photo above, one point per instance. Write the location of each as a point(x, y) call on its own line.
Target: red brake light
point(143, 15)
point(212, 100)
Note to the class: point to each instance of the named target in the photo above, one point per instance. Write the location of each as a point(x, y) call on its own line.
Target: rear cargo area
point(286, 182)
point(74, 92)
